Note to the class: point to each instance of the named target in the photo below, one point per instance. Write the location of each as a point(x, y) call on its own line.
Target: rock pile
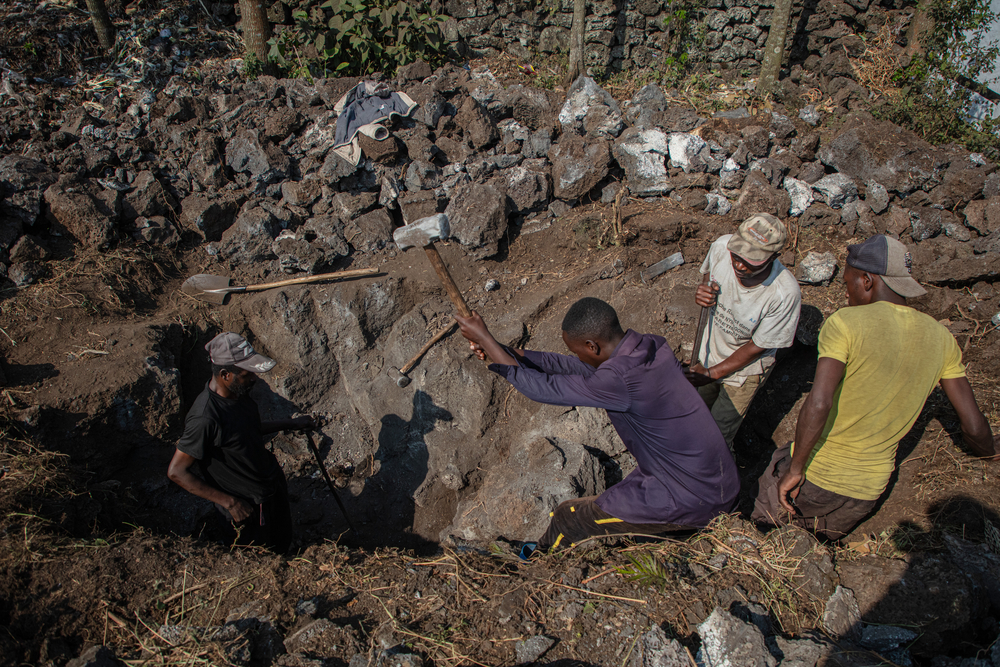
point(249, 169)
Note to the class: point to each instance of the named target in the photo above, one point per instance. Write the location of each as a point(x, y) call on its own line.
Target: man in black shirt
point(223, 436)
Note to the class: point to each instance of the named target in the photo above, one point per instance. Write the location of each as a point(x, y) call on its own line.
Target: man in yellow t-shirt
point(879, 360)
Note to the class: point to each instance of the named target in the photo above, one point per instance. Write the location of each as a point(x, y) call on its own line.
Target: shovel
point(215, 289)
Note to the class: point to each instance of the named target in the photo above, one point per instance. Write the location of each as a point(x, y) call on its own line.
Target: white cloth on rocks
point(767, 314)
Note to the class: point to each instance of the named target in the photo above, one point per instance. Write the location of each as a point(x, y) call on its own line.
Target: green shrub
point(935, 94)
point(358, 37)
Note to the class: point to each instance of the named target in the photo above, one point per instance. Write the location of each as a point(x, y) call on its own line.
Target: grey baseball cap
point(230, 349)
point(759, 237)
point(888, 258)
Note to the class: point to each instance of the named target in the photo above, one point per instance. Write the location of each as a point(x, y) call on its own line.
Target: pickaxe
point(402, 378)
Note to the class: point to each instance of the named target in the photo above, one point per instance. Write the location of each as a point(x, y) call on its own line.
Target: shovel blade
point(208, 288)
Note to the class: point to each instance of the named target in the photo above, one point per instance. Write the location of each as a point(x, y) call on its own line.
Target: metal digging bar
point(329, 482)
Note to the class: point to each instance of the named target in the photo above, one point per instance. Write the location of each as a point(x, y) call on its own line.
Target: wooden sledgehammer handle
point(428, 345)
point(449, 284)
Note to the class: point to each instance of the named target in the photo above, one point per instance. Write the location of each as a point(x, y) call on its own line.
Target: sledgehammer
point(425, 232)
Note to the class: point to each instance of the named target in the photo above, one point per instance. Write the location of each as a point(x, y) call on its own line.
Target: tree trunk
point(102, 24)
point(921, 24)
point(576, 42)
point(256, 29)
point(774, 48)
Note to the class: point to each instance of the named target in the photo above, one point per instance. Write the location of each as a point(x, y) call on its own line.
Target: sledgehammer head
point(422, 232)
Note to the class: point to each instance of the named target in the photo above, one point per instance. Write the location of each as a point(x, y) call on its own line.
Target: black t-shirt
point(223, 434)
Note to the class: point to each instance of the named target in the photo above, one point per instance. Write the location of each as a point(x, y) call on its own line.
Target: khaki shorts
point(825, 513)
point(729, 404)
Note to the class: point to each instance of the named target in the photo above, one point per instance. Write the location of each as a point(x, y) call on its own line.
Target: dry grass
point(875, 68)
point(29, 477)
point(106, 282)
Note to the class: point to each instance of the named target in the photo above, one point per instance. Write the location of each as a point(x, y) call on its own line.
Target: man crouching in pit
point(685, 474)
point(224, 440)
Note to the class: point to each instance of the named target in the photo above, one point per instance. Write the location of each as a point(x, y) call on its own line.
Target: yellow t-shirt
point(894, 357)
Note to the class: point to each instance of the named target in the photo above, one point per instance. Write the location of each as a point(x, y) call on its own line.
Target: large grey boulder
point(369, 231)
point(22, 182)
point(422, 175)
point(730, 175)
point(328, 231)
point(147, 198)
point(249, 239)
point(801, 194)
point(727, 641)
point(479, 128)
point(515, 498)
point(927, 222)
point(867, 149)
point(320, 136)
point(877, 196)
point(431, 105)
point(836, 190)
point(644, 107)
point(528, 190)
point(263, 162)
point(817, 268)
point(578, 165)
point(590, 110)
point(84, 210)
point(654, 649)
point(841, 615)
point(983, 215)
point(477, 214)
point(688, 151)
point(531, 107)
point(642, 154)
point(758, 196)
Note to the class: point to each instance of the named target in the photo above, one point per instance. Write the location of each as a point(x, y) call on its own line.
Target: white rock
point(801, 194)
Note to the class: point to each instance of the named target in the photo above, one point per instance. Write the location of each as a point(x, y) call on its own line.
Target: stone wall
point(630, 34)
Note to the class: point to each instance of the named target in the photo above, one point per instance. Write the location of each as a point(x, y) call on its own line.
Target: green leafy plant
point(647, 570)
point(252, 68)
point(357, 37)
point(936, 88)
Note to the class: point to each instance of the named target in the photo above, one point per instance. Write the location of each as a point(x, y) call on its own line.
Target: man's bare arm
point(810, 425)
point(180, 473)
point(975, 429)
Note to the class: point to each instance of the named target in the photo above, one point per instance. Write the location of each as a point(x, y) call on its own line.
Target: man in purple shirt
point(685, 474)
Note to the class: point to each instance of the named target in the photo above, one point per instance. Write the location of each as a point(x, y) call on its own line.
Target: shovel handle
point(702, 322)
point(354, 273)
point(454, 293)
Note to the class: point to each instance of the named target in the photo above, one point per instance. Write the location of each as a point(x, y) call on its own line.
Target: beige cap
point(758, 238)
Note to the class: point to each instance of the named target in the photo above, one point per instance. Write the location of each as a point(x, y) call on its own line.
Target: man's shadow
point(947, 600)
point(394, 473)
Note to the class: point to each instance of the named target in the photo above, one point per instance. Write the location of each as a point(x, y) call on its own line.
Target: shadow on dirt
point(944, 600)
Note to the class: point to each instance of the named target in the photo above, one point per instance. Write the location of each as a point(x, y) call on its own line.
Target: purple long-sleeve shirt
point(685, 473)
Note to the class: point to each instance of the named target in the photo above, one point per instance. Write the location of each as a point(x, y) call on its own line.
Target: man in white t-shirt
point(755, 305)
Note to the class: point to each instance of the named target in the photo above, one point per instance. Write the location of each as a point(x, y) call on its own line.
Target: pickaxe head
point(402, 380)
point(422, 232)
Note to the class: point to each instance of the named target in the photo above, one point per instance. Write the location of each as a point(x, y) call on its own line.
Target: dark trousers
point(269, 524)
point(825, 513)
point(575, 520)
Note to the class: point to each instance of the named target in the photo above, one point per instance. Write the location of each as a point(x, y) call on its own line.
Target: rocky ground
point(117, 184)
